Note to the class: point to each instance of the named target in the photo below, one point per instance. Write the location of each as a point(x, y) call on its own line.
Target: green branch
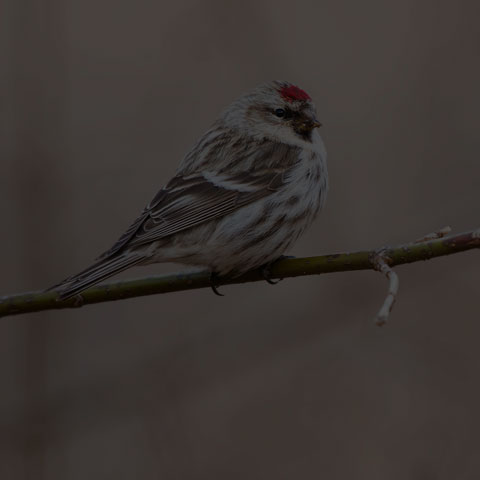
point(380, 259)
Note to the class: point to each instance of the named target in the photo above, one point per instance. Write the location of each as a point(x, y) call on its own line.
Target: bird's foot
point(266, 271)
point(214, 284)
point(266, 276)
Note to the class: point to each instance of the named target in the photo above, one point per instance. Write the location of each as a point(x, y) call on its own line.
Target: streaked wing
point(194, 199)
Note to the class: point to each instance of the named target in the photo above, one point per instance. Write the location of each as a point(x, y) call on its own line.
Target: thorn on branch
point(380, 262)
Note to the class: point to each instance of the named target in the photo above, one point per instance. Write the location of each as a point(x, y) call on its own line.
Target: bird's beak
point(307, 124)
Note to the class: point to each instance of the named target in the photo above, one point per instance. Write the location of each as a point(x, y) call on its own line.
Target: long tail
point(95, 273)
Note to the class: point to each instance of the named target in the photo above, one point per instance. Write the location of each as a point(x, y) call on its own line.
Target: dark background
point(100, 100)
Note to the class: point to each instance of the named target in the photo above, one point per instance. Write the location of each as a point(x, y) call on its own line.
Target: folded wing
point(194, 199)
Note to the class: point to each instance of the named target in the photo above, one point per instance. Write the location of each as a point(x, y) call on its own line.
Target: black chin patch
point(304, 134)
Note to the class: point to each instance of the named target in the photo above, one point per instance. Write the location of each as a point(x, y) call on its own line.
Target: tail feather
point(95, 274)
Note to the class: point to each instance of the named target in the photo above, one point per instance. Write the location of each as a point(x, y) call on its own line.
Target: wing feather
point(189, 201)
point(200, 203)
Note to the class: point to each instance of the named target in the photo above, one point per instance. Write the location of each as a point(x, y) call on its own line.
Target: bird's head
point(276, 110)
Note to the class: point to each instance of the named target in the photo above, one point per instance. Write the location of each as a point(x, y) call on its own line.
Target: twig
point(340, 262)
point(380, 263)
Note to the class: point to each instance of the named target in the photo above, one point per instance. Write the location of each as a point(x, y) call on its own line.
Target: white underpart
point(227, 246)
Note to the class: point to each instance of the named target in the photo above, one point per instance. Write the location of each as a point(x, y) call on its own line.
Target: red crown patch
point(292, 93)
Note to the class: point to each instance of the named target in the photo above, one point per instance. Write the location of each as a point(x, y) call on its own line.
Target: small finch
point(240, 198)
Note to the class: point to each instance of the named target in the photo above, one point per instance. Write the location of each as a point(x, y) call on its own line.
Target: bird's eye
point(280, 112)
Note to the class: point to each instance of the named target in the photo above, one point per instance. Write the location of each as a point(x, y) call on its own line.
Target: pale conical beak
point(314, 123)
point(308, 124)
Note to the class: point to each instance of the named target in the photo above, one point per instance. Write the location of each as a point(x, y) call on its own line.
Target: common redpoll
point(240, 198)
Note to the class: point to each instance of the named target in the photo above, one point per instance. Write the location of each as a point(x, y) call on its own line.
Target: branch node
point(434, 235)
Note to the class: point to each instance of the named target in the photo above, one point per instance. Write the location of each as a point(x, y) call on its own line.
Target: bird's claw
point(270, 281)
point(213, 284)
point(266, 273)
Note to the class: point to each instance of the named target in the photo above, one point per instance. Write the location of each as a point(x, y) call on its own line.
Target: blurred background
point(100, 101)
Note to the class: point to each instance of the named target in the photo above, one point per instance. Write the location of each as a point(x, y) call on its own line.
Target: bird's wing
point(188, 201)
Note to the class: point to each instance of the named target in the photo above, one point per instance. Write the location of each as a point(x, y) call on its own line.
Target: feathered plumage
point(240, 198)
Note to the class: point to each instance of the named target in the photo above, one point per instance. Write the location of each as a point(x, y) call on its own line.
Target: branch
point(380, 259)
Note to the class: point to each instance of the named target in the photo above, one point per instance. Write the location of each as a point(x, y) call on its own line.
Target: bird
point(240, 198)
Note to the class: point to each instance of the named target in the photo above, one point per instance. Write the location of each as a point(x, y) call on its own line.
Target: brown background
point(101, 98)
